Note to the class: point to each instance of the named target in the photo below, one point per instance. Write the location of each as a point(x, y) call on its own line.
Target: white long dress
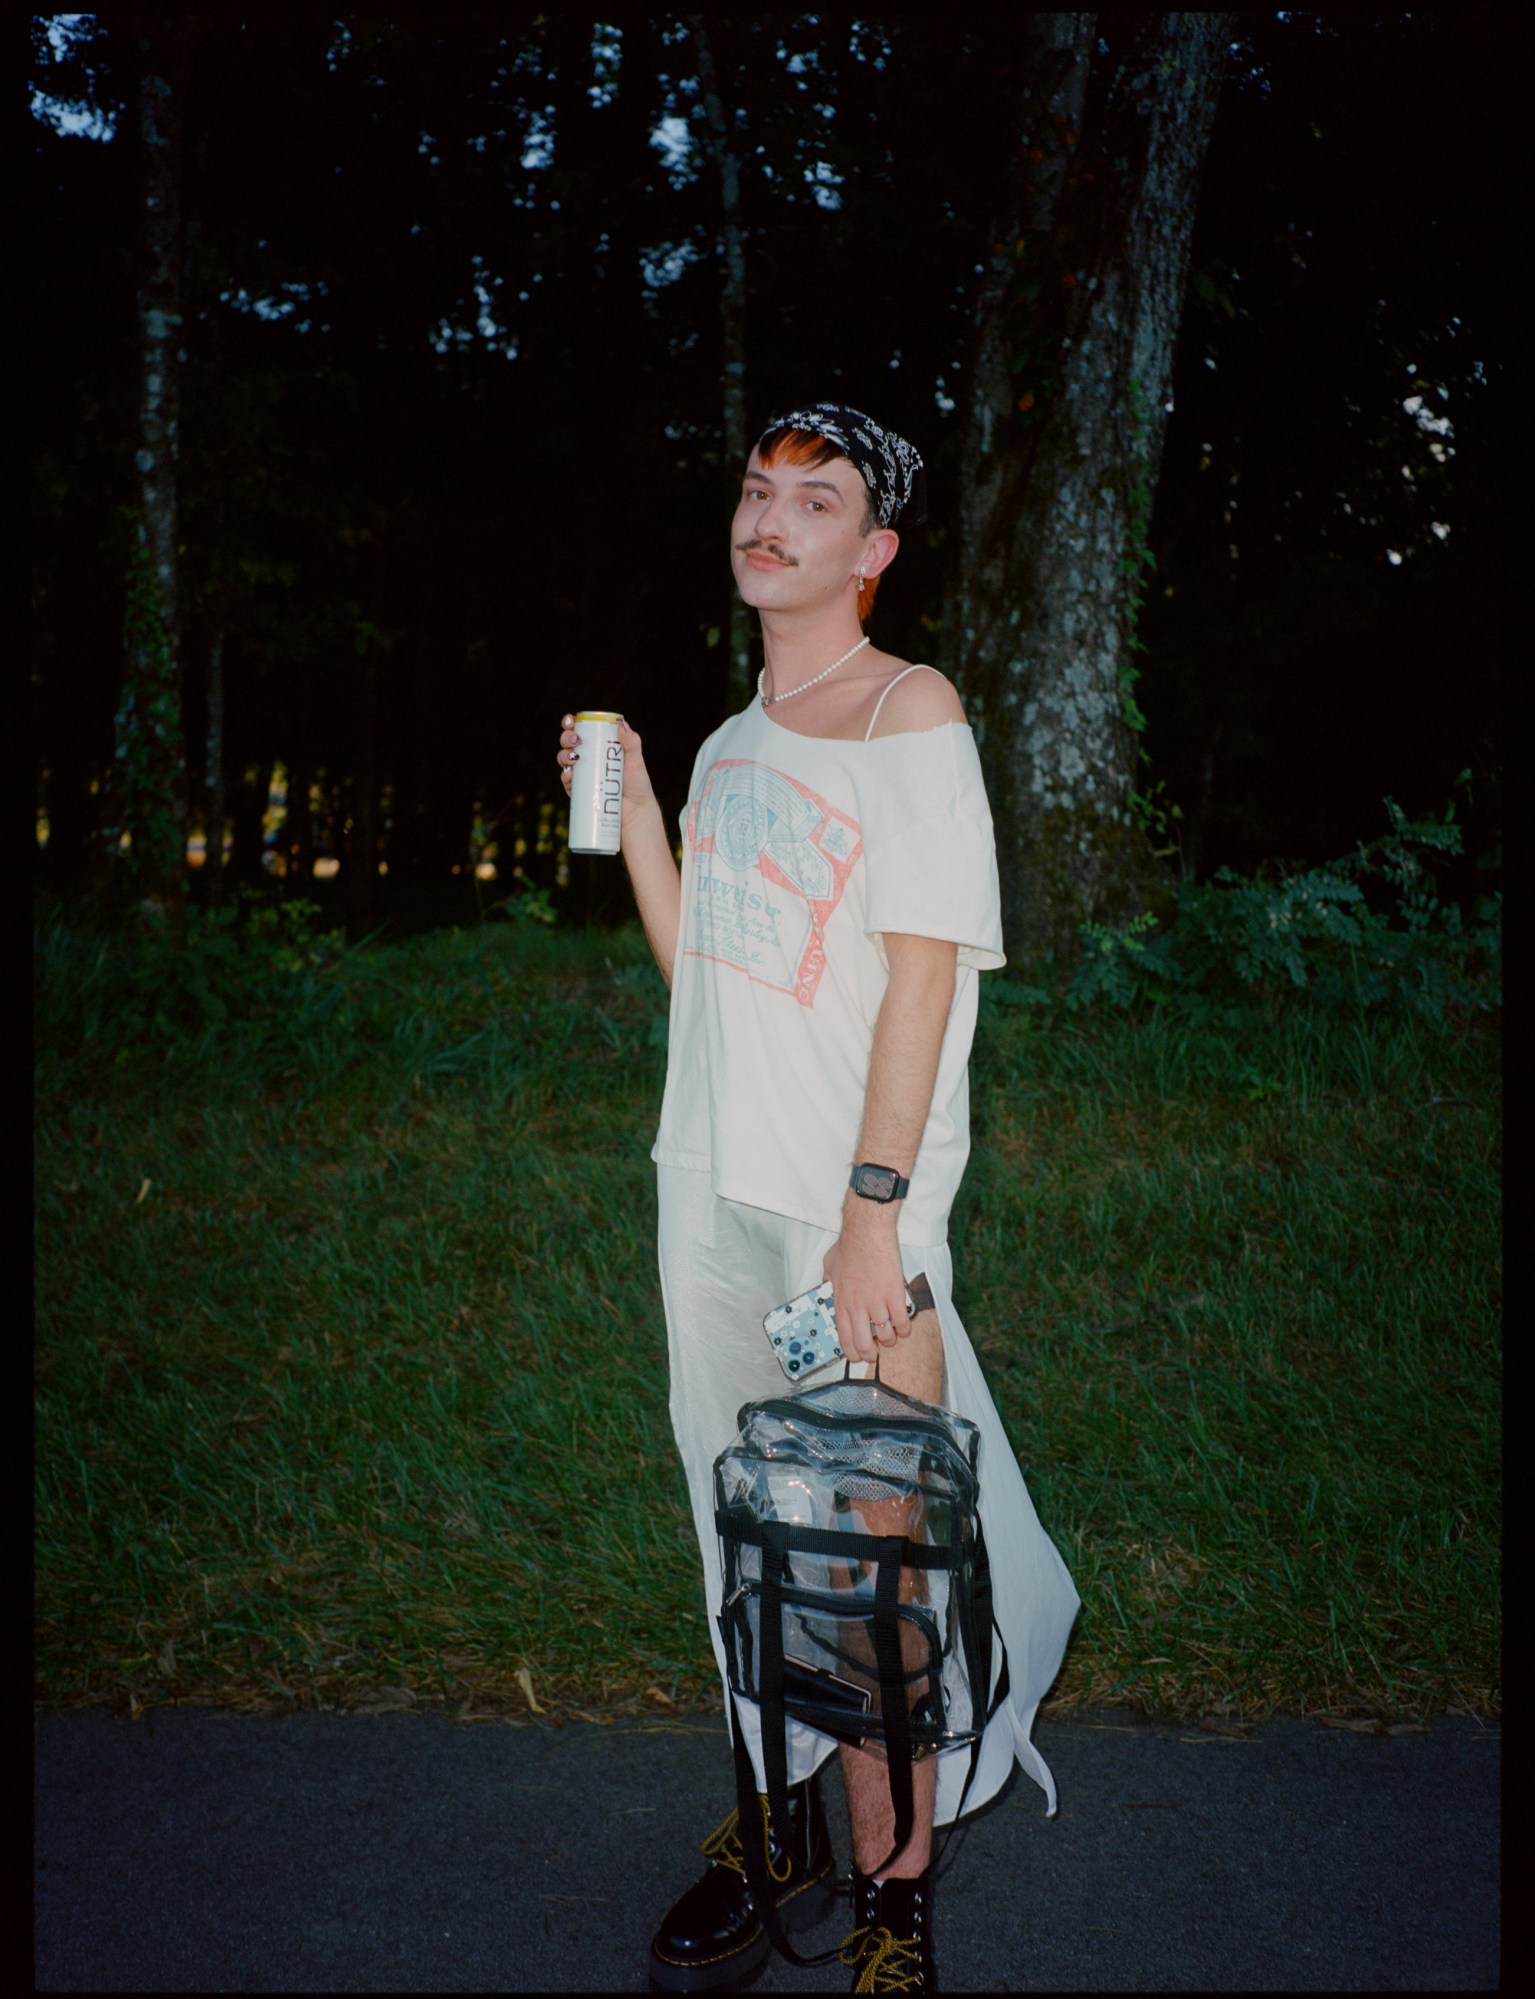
point(799, 853)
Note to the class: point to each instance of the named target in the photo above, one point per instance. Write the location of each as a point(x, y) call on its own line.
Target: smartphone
point(804, 1332)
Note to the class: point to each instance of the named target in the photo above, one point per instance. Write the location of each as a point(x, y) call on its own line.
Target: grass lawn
point(350, 1378)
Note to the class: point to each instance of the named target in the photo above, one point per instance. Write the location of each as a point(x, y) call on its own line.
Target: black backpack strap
point(749, 1818)
point(1004, 1684)
point(774, 1732)
point(775, 1747)
point(892, 1695)
point(871, 1548)
point(776, 1770)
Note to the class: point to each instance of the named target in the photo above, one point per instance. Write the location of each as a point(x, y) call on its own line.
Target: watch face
point(877, 1183)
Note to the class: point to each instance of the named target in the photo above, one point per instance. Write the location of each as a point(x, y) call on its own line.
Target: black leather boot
point(712, 1937)
point(891, 1948)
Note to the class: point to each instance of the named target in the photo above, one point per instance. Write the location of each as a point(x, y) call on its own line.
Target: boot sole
point(802, 1910)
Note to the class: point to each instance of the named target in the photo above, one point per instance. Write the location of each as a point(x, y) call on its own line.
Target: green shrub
point(254, 959)
point(1369, 932)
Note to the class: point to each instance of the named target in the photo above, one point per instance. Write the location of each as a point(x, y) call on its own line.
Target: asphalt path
point(201, 1851)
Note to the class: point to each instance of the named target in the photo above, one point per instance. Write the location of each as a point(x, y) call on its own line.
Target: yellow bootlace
point(884, 1962)
point(723, 1847)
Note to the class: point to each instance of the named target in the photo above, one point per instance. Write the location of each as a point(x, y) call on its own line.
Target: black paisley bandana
point(890, 467)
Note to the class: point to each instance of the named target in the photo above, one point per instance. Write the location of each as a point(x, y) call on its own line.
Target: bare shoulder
point(924, 699)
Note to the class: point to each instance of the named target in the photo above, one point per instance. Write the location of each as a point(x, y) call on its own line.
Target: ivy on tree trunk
point(150, 764)
point(1072, 369)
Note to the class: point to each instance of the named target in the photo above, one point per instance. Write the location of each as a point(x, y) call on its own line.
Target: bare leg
point(873, 1816)
point(915, 1367)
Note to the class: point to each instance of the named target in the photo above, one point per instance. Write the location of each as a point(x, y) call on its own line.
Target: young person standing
point(836, 903)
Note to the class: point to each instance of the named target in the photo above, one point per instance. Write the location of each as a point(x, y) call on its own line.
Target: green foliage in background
point(1370, 932)
point(351, 1379)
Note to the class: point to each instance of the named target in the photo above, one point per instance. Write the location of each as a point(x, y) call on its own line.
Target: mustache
point(750, 548)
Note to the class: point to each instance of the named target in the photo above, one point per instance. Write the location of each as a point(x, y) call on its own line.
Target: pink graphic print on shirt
point(770, 863)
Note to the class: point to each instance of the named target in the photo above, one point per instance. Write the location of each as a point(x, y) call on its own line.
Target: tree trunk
point(213, 779)
point(1071, 376)
point(150, 762)
point(358, 804)
point(733, 318)
point(359, 865)
point(296, 843)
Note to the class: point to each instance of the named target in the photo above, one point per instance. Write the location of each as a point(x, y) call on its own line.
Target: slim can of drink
point(597, 784)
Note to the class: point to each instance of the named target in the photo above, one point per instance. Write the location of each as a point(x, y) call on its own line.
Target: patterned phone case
point(804, 1333)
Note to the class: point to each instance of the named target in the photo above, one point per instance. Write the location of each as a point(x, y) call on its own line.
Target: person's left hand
point(863, 1267)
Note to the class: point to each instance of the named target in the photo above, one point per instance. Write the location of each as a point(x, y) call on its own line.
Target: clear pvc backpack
point(857, 1592)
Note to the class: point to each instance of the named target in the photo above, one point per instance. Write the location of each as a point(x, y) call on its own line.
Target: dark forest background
point(453, 441)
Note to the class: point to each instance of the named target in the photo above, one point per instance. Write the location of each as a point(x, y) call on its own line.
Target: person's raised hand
point(638, 790)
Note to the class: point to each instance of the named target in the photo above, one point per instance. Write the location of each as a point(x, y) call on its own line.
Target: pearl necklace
point(767, 700)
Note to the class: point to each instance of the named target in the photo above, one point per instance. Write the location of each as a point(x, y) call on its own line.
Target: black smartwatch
point(879, 1183)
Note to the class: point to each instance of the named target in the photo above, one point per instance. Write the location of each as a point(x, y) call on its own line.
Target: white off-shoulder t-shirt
point(799, 853)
